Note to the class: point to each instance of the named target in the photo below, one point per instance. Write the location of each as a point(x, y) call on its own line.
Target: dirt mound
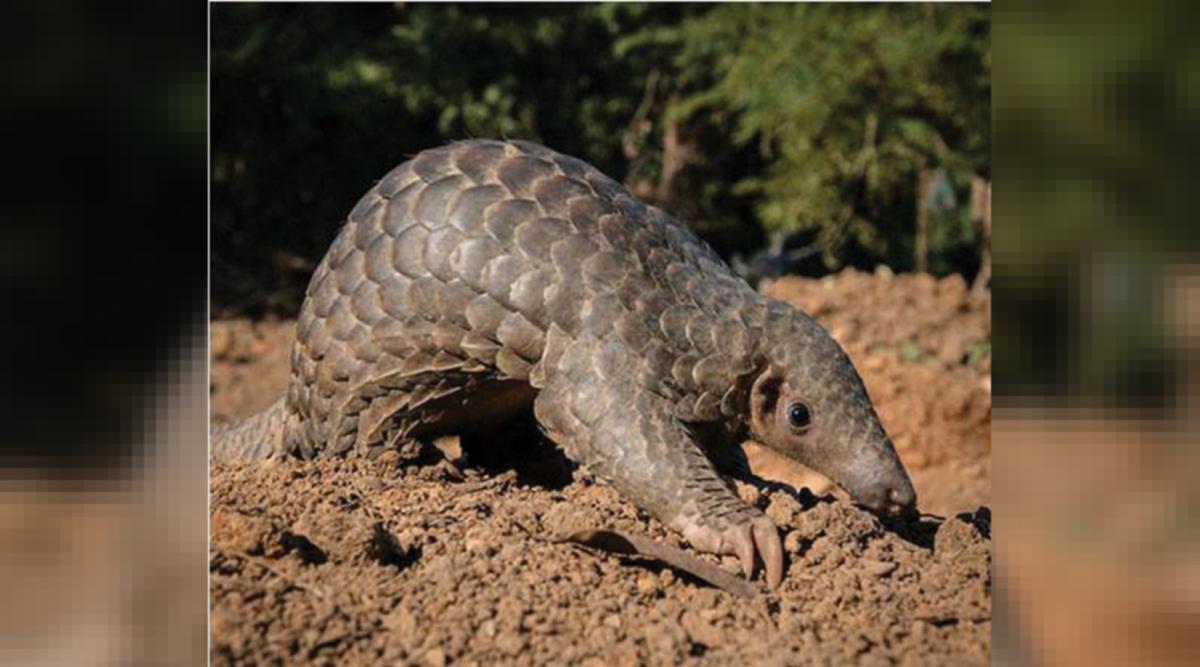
point(424, 561)
point(354, 562)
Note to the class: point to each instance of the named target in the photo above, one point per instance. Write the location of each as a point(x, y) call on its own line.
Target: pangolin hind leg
point(629, 438)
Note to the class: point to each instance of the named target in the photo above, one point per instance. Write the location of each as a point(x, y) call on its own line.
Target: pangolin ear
point(764, 395)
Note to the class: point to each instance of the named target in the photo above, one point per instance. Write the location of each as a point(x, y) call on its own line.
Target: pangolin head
point(809, 403)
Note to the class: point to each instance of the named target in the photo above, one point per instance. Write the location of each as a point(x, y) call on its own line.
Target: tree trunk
point(921, 251)
point(676, 154)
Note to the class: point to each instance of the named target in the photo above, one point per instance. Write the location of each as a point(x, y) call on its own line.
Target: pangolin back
point(477, 263)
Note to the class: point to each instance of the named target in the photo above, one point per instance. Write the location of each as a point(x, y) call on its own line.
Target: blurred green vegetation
point(1096, 135)
point(809, 126)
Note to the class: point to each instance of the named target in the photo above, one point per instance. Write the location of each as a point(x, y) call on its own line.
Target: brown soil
point(426, 557)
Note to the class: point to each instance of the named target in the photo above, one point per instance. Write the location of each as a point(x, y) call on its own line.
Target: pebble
point(511, 643)
point(435, 657)
point(370, 484)
point(749, 493)
point(878, 568)
point(648, 584)
point(783, 509)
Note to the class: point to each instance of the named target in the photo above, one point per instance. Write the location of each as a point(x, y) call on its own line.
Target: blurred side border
point(103, 391)
point(1097, 335)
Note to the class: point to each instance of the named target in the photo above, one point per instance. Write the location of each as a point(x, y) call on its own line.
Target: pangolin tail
point(254, 438)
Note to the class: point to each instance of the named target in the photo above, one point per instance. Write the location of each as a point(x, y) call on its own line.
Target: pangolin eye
point(799, 416)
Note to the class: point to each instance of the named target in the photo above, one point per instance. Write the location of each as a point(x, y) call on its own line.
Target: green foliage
point(311, 103)
point(846, 104)
point(737, 118)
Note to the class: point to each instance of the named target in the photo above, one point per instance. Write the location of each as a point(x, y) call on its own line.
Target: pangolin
point(482, 277)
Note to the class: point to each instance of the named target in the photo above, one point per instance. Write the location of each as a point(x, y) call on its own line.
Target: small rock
point(240, 533)
point(647, 584)
point(478, 546)
point(878, 568)
point(783, 509)
point(706, 599)
point(435, 657)
point(749, 493)
point(793, 541)
point(402, 623)
point(511, 643)
point(699, 631)
point(370, 484)
point(388, 459)
point(956, 535)
point(450, 447)
point(625, 657)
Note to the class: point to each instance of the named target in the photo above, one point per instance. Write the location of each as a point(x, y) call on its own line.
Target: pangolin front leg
point(603, 418)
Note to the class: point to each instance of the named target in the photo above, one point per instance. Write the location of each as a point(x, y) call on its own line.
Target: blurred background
point(1097, 298)
point(103, 382)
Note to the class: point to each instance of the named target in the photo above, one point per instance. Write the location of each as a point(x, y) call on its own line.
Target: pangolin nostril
point(904, 497)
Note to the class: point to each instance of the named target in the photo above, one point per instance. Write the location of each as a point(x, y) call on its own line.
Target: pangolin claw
point(770, 549)
point(744, 539)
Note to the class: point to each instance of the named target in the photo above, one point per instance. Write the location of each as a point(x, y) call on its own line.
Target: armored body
point(483, 277)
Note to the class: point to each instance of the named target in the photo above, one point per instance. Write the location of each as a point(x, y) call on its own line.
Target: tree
point(850, 108)
point(735, 118)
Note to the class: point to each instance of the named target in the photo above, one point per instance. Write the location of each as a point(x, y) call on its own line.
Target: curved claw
point(743, 547)
point(770, 548)
point(753, 535)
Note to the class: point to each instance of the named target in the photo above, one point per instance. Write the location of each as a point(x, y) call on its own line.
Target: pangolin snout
point(893, 487)
point(898, 499)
